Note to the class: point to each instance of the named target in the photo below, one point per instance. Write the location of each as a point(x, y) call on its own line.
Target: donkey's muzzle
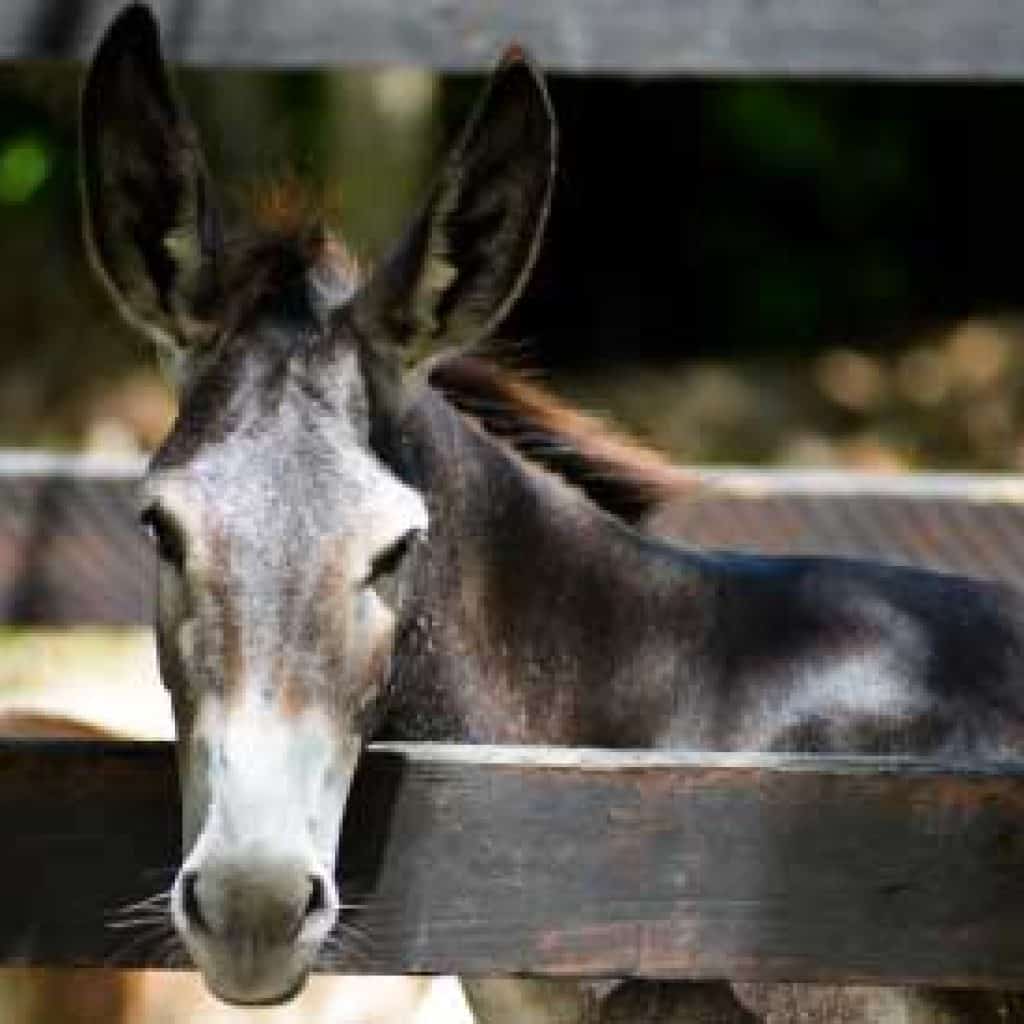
point(254, 924)
point(272, 904)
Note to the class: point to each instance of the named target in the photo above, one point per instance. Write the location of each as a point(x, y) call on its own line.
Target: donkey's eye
point(386, 562)
point(164, 532)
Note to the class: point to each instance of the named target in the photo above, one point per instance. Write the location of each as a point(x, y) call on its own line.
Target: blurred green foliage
point(24, 165)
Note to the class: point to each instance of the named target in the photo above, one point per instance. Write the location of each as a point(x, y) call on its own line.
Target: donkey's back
point(847, 656)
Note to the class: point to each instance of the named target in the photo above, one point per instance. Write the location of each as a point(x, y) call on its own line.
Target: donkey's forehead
point(276, 424)
point(249, 497)
point(278, 383)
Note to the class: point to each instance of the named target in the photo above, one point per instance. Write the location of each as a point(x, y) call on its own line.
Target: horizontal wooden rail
point(485, 860)
point(72, 553)
point(897, 39)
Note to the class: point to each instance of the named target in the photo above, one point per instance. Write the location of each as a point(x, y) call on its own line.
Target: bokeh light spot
point(24, 166)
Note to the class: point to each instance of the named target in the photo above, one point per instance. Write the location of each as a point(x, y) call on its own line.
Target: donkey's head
point(284, 533)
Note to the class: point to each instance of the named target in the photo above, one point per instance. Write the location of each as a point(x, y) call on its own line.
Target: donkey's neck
point(535, 617)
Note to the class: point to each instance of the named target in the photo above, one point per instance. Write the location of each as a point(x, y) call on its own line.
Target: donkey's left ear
point(152, 228)
point(467, 256)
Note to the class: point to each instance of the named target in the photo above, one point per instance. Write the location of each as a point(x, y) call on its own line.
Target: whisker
point(142, 942)
point(348, 934)
point(350, 937)
point(158, 897)
point(147, 924)
point(171, 953)
point(334, 953)
point(159, 900)
point(129, 924)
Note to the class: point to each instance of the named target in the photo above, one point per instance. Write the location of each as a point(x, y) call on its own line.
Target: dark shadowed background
point(809, 272)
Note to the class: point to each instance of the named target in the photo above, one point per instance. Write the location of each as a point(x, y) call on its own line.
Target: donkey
point(364, 532)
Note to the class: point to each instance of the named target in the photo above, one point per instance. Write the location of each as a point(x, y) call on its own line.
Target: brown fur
point(286, 205)
point(231, 636)
point(618, 474)
point(259, 267)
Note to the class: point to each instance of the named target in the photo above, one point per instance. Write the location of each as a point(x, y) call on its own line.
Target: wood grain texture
point(555, 862)
point(71, 550)
point(899, 39)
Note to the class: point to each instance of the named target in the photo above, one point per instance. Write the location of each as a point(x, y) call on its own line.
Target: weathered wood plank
point(901, 39)
point(71, 551)
point(556, 862)
point(966, 523)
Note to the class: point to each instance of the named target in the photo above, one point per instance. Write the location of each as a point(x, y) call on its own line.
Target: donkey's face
point(281, 536)
point(282, 530)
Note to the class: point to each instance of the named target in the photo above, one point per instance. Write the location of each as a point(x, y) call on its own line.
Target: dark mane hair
point(618, 474)
point(284, 234)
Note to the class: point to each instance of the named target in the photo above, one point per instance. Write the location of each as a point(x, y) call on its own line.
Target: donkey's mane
point(617, 473)
point(286, 235)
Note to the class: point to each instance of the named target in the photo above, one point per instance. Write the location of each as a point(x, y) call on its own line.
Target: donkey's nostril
point(190, 902)
point(317, 897)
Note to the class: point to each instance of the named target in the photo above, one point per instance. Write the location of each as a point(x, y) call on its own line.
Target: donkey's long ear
point(151, 225)
point(465, 259)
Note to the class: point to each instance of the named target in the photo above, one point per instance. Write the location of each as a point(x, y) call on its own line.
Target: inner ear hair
point(152, 226)
point(465, 259)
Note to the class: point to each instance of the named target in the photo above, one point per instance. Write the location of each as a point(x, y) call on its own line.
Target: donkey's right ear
point(467, 256)
point(152, 228)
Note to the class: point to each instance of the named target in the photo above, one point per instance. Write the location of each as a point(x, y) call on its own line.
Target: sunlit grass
point(107, 677)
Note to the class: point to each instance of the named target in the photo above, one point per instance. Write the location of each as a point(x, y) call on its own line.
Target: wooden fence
point(983, 39)
point(570, 862)
point(578, 862)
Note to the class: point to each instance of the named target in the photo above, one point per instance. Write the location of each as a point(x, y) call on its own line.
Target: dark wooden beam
point(570, 862)
point(971, 524)
point(899, 39)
